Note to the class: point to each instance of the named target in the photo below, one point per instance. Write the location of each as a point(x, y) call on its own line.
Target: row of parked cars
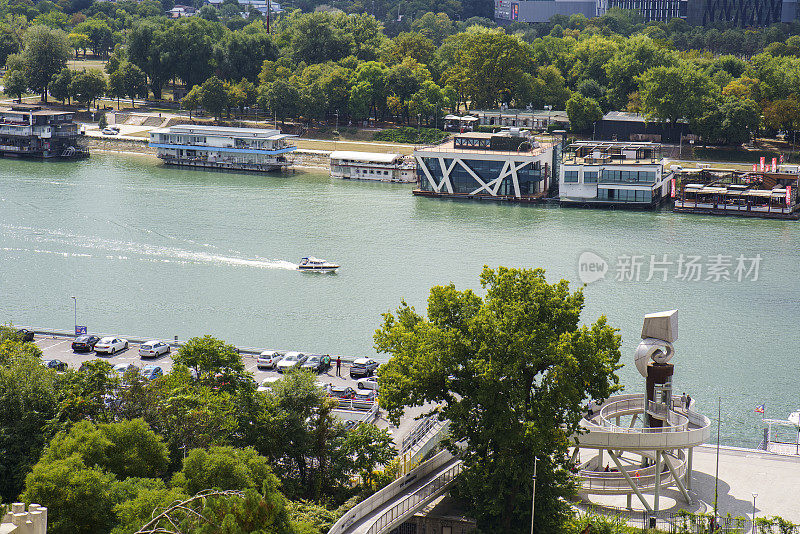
point(112, 345)
point(317, 363)
point(150, 372)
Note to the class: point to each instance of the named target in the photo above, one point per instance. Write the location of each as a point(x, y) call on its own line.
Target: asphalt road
point(60, 348)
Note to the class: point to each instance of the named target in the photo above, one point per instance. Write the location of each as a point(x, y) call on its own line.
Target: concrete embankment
point(311, 159)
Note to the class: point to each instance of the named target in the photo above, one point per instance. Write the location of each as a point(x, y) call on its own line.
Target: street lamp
point(75, 307)
point(549, 109)
point(754, 512)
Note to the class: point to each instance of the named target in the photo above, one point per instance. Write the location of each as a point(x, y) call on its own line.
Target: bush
point(411, 135)
point(102, 122)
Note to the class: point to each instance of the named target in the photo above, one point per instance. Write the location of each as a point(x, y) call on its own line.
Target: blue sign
point(80, 330)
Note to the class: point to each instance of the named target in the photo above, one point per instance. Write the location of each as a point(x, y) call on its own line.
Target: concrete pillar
point(600, 460)
point(658, 481)
point(688, 475)
point(17, 507)
point(630, 504)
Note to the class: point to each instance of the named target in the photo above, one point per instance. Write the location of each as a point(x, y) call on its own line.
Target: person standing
point(338, 366)
point(683, 401)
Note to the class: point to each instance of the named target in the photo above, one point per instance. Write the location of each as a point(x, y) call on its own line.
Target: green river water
point(155, 251)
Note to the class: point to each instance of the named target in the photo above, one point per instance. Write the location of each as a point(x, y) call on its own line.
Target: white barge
point(372, 166)
point(244, 149)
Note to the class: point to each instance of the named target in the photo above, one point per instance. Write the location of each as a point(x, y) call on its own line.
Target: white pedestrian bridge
point(642, 459)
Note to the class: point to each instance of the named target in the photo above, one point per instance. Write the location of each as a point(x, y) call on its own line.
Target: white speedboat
point(312, 264)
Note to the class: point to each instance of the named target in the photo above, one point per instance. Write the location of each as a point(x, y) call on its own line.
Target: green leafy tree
point(79, 42)
point(213, 96)
point(511, 372)
point(281, 97)
point(224, 468)
point(369, 447)
point(673, 93)
point(45, 52)
point(208, 355)
point(149, 48)
point(192, 99)
point(28, 401)
point(88, 86)
point(408, 44)
point(61, 86)
point(15, 84)
point(128, 80)
point(79, 499)
point(583, 112)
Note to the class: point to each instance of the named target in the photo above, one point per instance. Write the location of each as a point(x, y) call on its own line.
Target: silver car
point(268, 359)
point(290, 361)
point(153, 349)
point(110, 345)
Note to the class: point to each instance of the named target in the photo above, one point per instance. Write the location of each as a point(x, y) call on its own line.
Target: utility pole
point(754, 512)
point(75, 303)
point(533, 497)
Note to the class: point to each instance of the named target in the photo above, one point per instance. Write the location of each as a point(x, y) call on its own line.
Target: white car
point(291, 360)
point(123, 368)
point(153, 349)
point(370, 382)
point(269, 359)
point(110, 345)
point(267, 383)
point(110, 131)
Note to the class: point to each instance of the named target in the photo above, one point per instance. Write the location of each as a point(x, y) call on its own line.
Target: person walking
point(338, 366)
point(683, 401)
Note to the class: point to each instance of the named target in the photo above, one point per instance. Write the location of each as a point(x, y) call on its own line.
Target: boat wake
point(125, 250)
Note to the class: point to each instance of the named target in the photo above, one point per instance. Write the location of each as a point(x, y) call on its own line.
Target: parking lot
point(60, 348)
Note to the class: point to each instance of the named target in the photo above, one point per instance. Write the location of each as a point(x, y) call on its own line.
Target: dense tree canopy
point(511, 372)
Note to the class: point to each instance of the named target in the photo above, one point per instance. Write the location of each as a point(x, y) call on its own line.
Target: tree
point(208, 355)
point(583, 112)
point(87, 86)
point(511, 372)
point(28, 401)
point(128, 80)
point(281, 97)
point(149, 49)
point(369, 447)
point(192, 99)
point(45, 53)
point(673, 93)
point(15, 84)
point(224, 468)
point(61, 86)
point(213, 96)
point(79, 41)
point(408, 44)
point(79, 499)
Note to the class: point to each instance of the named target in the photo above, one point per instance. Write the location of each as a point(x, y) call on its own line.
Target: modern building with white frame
point(613, 174)
point(509, 165)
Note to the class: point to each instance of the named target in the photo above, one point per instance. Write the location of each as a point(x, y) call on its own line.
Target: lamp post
point(549, 109)
point(533, 497)
point(754, 512)
point(75, 308)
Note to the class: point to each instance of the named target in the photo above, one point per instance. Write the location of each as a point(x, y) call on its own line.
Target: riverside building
point(765, 194)
point(244, 149)
point(372, 166)
point(509, 165)
point(30, 131)
point(612, 174)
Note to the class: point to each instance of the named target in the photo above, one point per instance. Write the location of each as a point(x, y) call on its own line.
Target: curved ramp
point(394, 504)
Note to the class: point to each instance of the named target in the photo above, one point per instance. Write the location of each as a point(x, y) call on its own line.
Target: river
point(156, 251)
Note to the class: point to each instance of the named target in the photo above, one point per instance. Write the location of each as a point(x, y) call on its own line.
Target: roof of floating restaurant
point(371, 157)
point(262, 133)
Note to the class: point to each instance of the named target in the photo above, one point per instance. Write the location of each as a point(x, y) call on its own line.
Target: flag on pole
point(760, 408)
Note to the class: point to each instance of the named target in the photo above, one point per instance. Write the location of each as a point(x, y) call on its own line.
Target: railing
point(416, 435)
point(680, 423)
point(643, 477)
point(410, 503)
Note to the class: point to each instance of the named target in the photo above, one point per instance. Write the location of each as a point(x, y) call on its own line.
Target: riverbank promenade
point(774, 478)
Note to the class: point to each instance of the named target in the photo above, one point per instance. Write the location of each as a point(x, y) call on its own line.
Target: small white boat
point(317, 265)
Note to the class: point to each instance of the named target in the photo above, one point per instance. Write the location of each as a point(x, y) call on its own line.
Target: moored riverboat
point(213, 147)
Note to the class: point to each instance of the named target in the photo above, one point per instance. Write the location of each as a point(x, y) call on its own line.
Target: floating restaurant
point(612, 174)
point(748, 194)
point(508, 165)
point(244, 149)
point(372, 166)
point(30, 131)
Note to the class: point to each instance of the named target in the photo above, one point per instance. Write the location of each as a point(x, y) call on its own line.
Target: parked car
point(290, 361)
point(314, 363)
point(367, 395)
point(25, 334)
point(363, 367)
point(267, 383)
point(123, 368)
point(110, 345)
point(370, 382)
point(110, 130)
point(58, 365)
point(342, 392)
point(153, 349)
point(85, 343)
point(151, 372)
point(268, 359)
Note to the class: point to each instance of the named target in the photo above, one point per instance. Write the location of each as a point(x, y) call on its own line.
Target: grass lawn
point(88, 64)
